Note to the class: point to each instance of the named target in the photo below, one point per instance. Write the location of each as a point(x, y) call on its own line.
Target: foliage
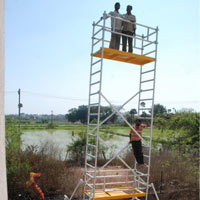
point(160, 123)
point(16, 168)
point(51, 126)
point(159, 109)
point(80, 114)
point(143, 104)
point(187, 123)
point(181, 130)
point(76, 150)
point(133, 111)
point(131, 115)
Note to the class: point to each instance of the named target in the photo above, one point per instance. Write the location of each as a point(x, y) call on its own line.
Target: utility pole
point(3, 181)
point(19, 107)
point(52, 117)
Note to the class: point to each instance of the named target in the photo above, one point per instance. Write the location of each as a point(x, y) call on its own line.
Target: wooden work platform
point(117, 193)
point(123, 56)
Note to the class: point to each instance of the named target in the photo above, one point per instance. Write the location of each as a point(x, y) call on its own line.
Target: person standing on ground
point(116, 26)
point(128, 29)
point(135, 140)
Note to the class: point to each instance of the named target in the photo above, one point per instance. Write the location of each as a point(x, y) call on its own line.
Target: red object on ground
point(32, 179)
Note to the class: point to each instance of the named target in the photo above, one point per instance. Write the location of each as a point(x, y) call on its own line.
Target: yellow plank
point(109, 195)
point(122, 56)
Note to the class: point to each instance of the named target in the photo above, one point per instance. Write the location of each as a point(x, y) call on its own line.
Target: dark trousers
point(130, 41)
point(137, 150)
point(115, 41)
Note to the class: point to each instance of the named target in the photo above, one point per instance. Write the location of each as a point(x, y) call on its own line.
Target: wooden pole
point(3, 180)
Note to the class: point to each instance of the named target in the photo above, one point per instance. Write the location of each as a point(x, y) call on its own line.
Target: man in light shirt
point(128, 29)
point(116, 26)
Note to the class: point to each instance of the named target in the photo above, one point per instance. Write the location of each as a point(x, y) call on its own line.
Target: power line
point(8, 92)
point(82, 99)
point(53, 96)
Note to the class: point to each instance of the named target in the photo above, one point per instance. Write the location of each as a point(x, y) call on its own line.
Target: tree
point(159, 109)
point(76, 149)
point(105, 112)
point(143, 104)
point(72, 116)
point(133, 112)
point(82, 113)
point(130, 115)
point(187, 123)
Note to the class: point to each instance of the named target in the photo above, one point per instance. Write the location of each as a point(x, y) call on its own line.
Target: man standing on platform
point(116, 26)
point(128, 29)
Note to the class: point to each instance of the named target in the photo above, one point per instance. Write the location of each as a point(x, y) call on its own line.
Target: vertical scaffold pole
point(152, 113)
point(99, 106)
point(88, 119)
point(3, 182)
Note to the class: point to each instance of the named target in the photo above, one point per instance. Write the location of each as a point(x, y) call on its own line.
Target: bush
point(76, 150)
point(17, 169)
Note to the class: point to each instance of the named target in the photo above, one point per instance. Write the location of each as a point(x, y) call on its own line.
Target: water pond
point(61, 138)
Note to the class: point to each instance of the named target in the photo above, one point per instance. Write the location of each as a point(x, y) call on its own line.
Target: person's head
point(128, 9)
point(138, 122)
point(117, 6)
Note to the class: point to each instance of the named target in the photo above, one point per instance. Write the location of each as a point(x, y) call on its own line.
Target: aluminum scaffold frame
point(96, 178)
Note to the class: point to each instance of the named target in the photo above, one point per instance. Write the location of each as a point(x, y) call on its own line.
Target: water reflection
point(59, 139)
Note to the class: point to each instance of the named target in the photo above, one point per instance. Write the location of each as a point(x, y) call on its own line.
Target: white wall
point(3, 183)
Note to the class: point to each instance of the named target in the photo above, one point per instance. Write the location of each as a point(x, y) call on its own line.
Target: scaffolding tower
point(101, 182)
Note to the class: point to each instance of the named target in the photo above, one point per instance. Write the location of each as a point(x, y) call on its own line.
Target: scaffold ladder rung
point(93, 104)
point(93, 114)
point(147, 90)
point(92, 124)
point(97, 41)
point(90, 155)
point(91, 166)
point(89, 175)
point(90, 134)
point(98, 31)
point(91, 145)
point(146, 99)
point(146, 137)
point(152, 70)
point(147, 81)
point(145, 108)
point(89, 185)
point(96, 62)
point(96, 72)
point(95, 83)
point(149, 118)
point(94, 93)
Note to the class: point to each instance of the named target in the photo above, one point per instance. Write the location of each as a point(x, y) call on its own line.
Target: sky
point(48, 45)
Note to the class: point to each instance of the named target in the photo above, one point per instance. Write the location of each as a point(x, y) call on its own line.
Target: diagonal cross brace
point(117, 111)
point(107, 118)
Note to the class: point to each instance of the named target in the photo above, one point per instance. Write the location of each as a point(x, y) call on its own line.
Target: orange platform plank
point(119, 194)
point(123, 56)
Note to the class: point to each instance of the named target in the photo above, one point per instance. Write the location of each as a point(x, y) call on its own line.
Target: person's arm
point(134, 26)
point(147, 124)
point(110, 13)
point(130, 136)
